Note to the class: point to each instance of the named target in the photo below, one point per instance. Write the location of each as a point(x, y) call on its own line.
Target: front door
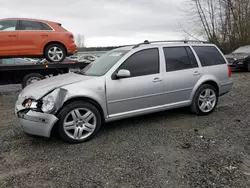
point(182, 74)
point(142, 90)
point(8, 38)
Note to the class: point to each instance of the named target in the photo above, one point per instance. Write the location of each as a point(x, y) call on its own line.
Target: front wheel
point(55, 53)
point(205, 100)
point(79, 122)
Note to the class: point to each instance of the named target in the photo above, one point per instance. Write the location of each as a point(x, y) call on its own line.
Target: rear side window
point(45, 27)
point(144, 62)
point(209, 55)
point(8, 25)
point(32, 25)
point(179, 58)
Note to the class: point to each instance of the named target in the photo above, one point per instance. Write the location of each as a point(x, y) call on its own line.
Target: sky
point(106, 22)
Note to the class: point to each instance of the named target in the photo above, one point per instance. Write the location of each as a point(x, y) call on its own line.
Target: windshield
point(243, 50)
point(104, 63)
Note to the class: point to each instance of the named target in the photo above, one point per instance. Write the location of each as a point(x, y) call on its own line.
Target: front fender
point(94, 91)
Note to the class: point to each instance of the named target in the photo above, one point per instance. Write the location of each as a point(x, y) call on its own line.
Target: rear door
point(32, 36)
point(181, 74)
point(8, 38)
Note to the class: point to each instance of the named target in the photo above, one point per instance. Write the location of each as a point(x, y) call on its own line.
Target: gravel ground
point(167, 149)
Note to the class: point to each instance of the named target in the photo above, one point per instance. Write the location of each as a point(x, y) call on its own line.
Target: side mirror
point(123, 74)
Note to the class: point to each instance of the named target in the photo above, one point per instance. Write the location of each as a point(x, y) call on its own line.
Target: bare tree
point(225, 23)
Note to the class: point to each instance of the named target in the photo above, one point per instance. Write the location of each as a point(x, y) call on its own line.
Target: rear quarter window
point(209, 55)
point(45, 27)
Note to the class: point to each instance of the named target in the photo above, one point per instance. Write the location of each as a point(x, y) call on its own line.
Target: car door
point(181, 74)
point(142, 90)
point(8, 38)
point(32, 36)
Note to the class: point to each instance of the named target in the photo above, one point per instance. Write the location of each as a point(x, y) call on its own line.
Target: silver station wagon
point(125, 82)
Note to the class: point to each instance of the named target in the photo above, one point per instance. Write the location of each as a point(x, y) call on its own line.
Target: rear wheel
point(248, 66)
point(205, 100)
point(55, 53)
point(78, 122)
point(31, 78)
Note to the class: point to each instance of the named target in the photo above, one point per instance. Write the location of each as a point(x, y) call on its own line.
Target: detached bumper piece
point(36, 123)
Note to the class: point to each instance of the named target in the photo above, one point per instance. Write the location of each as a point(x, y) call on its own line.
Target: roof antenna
point(146, 42)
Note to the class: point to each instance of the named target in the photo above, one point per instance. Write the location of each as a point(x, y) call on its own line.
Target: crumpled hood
point(41, 88)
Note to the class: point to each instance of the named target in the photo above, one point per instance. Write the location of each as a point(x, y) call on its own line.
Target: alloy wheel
point(55, 54)
point(80, 123)
point(207, 100)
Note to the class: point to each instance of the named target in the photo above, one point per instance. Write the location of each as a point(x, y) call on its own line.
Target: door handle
point(157, 80)
point(196, 73)
point(10, 35)
point(44, 35)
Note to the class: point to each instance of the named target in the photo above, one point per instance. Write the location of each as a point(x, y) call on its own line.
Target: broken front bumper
point(35, 123)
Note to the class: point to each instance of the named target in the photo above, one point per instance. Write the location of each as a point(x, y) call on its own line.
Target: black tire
point(248, 66)
point(66, 110)
point(195, 104)
point(34, 76)
point(58, 46)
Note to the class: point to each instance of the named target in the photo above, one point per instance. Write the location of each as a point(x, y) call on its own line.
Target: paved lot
point(167, 149)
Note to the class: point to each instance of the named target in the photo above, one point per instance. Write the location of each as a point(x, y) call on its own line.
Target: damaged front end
point(37, 116)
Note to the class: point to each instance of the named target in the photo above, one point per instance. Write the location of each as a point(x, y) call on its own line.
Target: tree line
point(225, 23)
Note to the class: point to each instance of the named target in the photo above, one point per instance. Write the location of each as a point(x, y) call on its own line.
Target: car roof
point(29, 19)
point(162, 44)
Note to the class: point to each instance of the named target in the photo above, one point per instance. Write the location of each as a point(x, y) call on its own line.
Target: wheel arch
point(80, 99)
point(214, 84)
point(54, 42)
point(84, 99)
point(200, 83)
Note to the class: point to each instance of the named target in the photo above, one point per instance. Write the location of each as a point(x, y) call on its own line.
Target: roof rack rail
point(184, 41)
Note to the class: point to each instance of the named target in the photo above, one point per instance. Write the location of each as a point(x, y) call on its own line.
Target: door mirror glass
point(123, 74)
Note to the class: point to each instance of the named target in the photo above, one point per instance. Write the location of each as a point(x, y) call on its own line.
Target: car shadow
point(147, 119)
point(110, 127)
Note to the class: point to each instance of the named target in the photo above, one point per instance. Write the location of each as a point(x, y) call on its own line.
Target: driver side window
point(144, 62)
point(8, 25)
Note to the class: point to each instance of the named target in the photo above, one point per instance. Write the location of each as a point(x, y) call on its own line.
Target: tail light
point(229, 71)
point(70, 35)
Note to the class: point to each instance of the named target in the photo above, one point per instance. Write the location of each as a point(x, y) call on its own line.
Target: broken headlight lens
point(49, 101)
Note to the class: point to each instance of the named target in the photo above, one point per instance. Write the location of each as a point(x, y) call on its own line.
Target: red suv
point(35, 38)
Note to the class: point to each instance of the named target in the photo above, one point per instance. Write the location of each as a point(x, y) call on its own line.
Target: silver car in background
point(125, 82)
